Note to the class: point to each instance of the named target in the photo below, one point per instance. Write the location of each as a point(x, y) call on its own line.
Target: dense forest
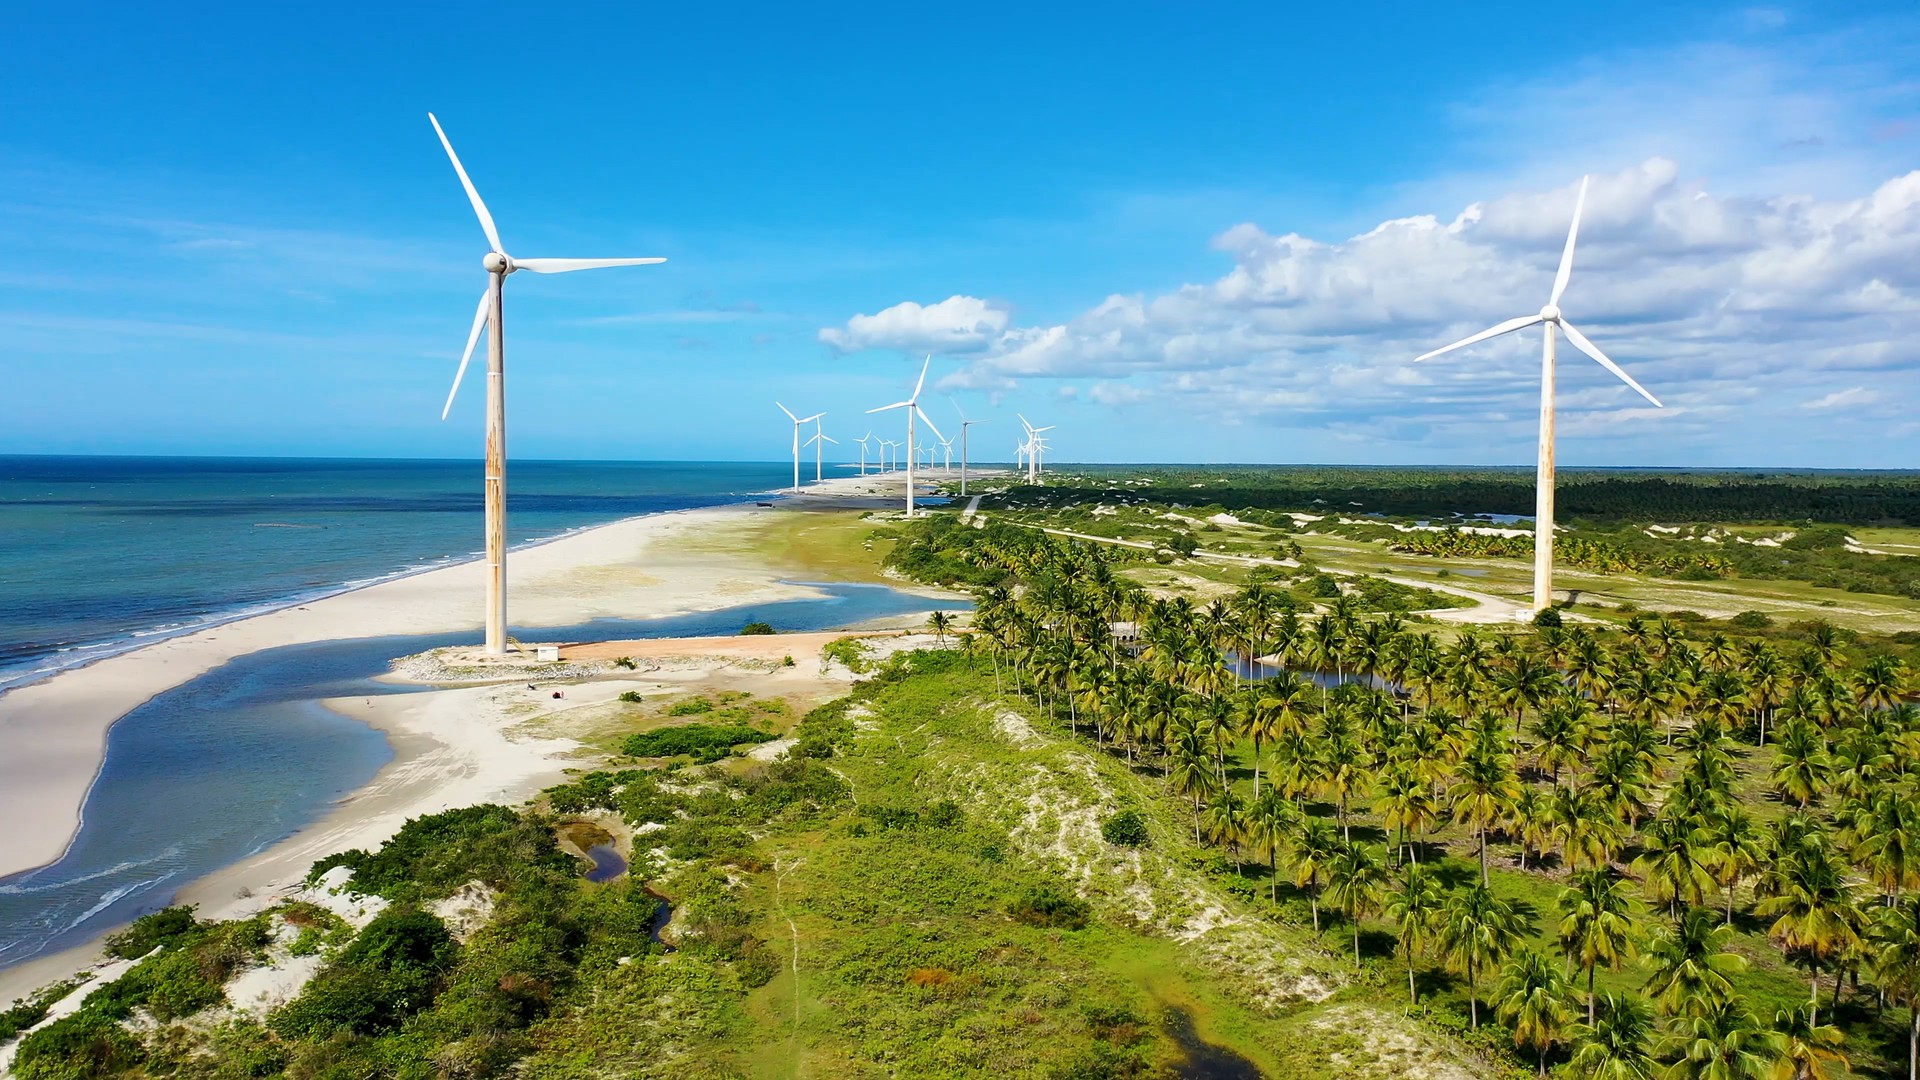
point(1727, 497)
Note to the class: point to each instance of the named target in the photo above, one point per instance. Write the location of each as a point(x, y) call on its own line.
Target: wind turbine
point(964, 425)
point(797, 422)
point(912, 405)
point(819, 437)
point(1034, 446)
point(1553, 321)
point(498, 265)
point(946, 452)
point(862, 441)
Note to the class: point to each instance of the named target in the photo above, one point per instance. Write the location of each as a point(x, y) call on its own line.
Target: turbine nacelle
point(496, 262)
point(1550, 313)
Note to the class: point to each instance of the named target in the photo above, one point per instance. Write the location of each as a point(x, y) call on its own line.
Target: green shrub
point(690, 707)
point(84, 1046)
point(698, 740)
point(149, 932)
point(432, 856)
point(33, 1008)
point(631, 697)
point(1548, 617)
point(626, 662)
point(1751, 620)
point(1126, 828)
point(392, 970)
point(1044, 905)
point(756, 628)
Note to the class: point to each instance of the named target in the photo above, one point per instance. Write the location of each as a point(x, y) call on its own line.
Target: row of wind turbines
point(1030, 452)
point(1027, 453)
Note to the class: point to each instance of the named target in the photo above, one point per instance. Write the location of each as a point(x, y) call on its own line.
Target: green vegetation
point(690, 707)
point(33, 1008)
point(1126, 828)
point(705, 741)
point(1718, 817)
point(756, 628)
point(1849, 498)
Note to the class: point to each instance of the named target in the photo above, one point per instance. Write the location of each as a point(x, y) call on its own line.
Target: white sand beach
point(53, 732)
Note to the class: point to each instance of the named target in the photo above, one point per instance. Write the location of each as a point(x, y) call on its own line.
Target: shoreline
point(54, 730)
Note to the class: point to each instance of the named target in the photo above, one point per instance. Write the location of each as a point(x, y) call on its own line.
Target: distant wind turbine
point(819, 437)
point(912, 405)
point(964, 425)
point(797, 422)
point(1552, 319)
point(863, 441)
point(498, 265)
point(1034, 445)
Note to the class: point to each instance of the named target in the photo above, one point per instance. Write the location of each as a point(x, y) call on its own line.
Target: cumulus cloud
point(1710, 300)
point(958, 324)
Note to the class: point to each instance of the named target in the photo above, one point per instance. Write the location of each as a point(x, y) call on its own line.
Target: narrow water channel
point(1202, 1060)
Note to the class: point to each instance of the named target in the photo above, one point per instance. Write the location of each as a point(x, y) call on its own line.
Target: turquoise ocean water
point(98, 555)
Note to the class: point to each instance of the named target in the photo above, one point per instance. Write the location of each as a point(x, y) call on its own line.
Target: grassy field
point(818, 544)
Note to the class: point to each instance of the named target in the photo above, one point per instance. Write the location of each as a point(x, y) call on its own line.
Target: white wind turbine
point(863, 441)
point(797, 422)
point(912, 405)
point(946, 455)
point(1034, 445)
point(819, 437)
point(498, 265)
point(1552, 320)
point(964, 425)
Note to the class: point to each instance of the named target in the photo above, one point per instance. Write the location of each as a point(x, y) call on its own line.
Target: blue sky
point(1178, 237)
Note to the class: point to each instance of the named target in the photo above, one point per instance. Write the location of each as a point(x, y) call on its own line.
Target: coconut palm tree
point(1356, 881)
point(1596, 924)
point(1415, 909)
point(1813, 912)
point(1270, 824)
point(1532, 996)
point(1407, 805)
point(1673, 862)
point(1315, 844)
point(1896, 966)
point(1619, 1044)
point(1478, 930)
point(1690, 967)
point(1734, 846)
point(1584, 827)
point(1801, 765)
point(1480, 797)
point(1722, 1041)
point(1806, 1046)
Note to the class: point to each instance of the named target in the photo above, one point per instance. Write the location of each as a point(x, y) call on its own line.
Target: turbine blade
point(567, 266)
point(789, 413)
point(811, 419)
point(473, 338)
point(929, 421)
point(829, 438)
point(1566, 256)
point(895, 405)
point(479, 208)
point(1580, 342)
point(1507, 327)
point(923, 377)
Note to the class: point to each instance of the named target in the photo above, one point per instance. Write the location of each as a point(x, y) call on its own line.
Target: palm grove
point(1659, 793)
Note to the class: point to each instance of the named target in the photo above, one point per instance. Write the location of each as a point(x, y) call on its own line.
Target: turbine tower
point(797, 422)
point(1034, 445)
point(964, 425)
point(498, 265)
point(819, 437)
point(1552, 321)
point(912, 405)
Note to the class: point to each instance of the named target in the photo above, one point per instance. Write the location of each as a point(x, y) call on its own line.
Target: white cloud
point(958, 324)
point(1843, 399)
point(1702, 296)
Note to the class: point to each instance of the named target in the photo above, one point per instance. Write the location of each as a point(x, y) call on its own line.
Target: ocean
point(100, 554)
